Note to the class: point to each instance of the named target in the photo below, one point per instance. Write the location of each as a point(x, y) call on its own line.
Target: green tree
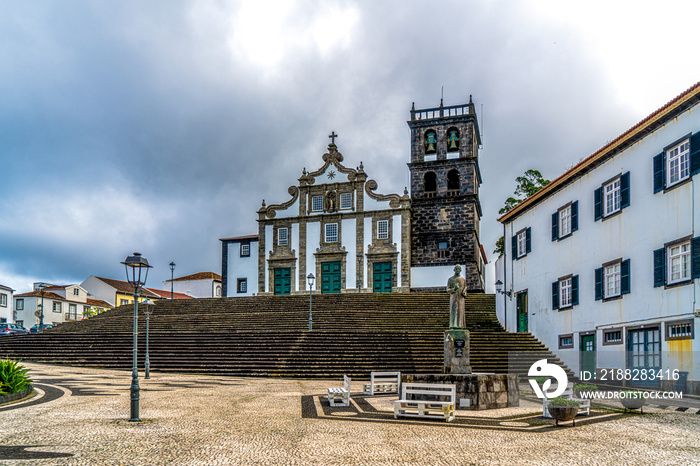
point(528, 184)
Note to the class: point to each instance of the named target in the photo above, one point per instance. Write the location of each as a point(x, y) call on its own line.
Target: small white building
point(60, 304)
point(239, 265)
point(197, 285)
point(6, 295)
point(602, 264)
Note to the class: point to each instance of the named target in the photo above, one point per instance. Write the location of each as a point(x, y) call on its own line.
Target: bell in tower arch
point(430, 142)
point(452, 139)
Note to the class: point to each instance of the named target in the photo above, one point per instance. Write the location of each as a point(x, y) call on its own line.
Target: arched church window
point(430, 142)
point(430, 182)
point(452, 139)
point(453, 180)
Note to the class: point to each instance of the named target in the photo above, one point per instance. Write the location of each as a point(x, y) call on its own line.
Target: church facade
point(351, 238)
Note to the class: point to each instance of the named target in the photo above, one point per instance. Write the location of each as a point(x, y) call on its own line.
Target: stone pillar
point(456, 351)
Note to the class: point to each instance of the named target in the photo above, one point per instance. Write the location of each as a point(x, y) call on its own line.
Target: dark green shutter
point(574, 290)
point(574, 216)
point(598, 203)
point(599, 283)
point(695, 257)
point(555, 295)
point(625, 190)
point(514, 244)
point(695, 154)
point(527, 240)
point(555, 226)
point(625, 277)
point(660, 267)
point(659, 178)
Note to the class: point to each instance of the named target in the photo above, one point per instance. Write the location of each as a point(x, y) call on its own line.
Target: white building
point(239, 265)
point(6, 304)
point(60, 304)
point(197, 285)
point(603, 263)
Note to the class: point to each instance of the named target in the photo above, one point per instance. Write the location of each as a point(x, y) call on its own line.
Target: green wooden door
point(383, 277)
point(522, 311)
point(330, 277)
point(588, 353)
point(644, 354)
point(283, 281)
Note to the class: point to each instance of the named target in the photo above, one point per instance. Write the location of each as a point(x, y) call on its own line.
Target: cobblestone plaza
point(80, 417)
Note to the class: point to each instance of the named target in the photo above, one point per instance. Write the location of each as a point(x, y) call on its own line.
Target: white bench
point(340, 396)
point(382, 382)
point(584, 407)
point(424, 406)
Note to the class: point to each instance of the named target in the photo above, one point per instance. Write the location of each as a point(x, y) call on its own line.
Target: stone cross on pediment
point(333, 136)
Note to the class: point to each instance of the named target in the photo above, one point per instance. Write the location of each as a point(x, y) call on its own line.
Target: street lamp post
point(310, 279)
point(172, 277)
point(136, 273)
point(148, 310)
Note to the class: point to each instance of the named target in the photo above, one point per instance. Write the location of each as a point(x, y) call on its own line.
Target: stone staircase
point(268, 336)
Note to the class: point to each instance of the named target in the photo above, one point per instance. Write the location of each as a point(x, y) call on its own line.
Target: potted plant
point(633, 399)
point(582, 388)
point(563, 409)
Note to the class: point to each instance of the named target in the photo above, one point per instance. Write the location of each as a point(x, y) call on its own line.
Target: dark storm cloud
point(150, 126)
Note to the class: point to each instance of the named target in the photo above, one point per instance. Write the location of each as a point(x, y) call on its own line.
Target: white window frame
point(57, 306)
point(612, 197)
point(123, 302)
point(73, 310)
point(3, 300)
point(76, 292)
point(331, 233)
point(19, 304)
point(522, 243)
point(680, 331)
point(678, 257)
point(568, 344)
point(383, 229)
point(565, 293)
point(245, 250)
point(564, 221)
point(316, 203)
point(346, 200)
point(612, 280)
point(242, 285)
point(282, 236)
point(678, 163)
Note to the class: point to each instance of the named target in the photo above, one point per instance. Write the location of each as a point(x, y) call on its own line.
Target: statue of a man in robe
point(457, 288)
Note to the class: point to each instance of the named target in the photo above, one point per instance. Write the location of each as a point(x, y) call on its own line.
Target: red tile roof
point(199, 276)
point(649, 124)
point(166, 294)
point(124, 287)
point(241, 238)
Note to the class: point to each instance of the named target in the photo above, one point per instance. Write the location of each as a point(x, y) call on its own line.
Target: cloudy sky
point(160, 126)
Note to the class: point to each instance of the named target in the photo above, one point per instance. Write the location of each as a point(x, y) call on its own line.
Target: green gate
point(521, 299)
point(383, 277)
point(330, 277)
point(283, 281)
point(588, 353)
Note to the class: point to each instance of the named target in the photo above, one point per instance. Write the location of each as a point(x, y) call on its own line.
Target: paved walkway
point(80, 417)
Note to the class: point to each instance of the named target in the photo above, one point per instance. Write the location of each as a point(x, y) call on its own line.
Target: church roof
point(198, 276)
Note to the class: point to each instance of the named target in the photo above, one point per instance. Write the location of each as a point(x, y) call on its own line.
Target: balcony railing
point(72, 316)
point(440, 112)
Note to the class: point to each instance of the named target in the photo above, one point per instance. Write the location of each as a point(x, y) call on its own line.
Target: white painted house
point(61, 303)
point(6, 294)
point(239, 266)
point(196, 285)
point(604, 263)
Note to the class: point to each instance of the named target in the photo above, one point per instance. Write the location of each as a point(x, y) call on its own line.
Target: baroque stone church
point(338, 228)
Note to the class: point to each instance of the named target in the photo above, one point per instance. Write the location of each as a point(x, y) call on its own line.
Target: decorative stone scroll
point(395, 201)
point(335, 158)
point(269, 211)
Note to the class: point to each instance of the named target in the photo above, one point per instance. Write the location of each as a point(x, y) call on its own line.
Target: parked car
point(35, 328)
point(12, 329)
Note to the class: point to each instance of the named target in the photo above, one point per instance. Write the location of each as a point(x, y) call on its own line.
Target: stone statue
point(457, 287)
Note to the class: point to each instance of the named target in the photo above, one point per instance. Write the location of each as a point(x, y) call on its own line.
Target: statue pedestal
point(456, 352)
point(476, 391)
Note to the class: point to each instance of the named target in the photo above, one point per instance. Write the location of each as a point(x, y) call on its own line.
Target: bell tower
point(445, 182)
